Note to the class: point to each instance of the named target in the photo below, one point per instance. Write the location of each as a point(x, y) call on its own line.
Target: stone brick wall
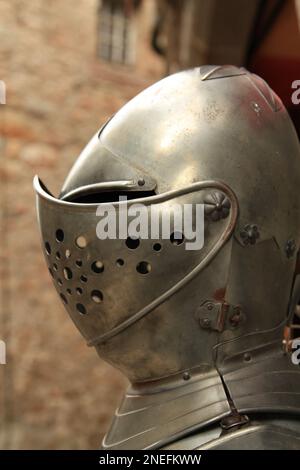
point(54, 391)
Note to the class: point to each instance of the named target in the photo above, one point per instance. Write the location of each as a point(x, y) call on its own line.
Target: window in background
point(117, 30)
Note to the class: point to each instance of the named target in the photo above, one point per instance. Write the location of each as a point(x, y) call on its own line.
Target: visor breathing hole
point(81, 309)
point(120, 262)
point(69, 291)
point(68, 253)
point(55, 267)
point(78, 263)
point(97, 267)
point(68, 273)
point(78, 290)
point(51, 272)
point(132, 243)
point(60, 235)
point(83, 278)
point(177, 238)
point(97, 296)
point(81, 241)
point(59, 282)
point(63, 298)
point(143, 267)
point(48, 248)
point(58, 255)
point(157, 247)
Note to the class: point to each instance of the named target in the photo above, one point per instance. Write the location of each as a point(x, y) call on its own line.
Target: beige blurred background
point(67, 67)
point(54, 391)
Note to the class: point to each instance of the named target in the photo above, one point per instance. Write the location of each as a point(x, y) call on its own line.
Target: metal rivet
point(250, 234)
point(216, 206)
point(186, 376)
point(290, 248)
point(235, 318)
point(205, 322)
point(255, 107)
point(234, 420)
point(247, 357)
point(141, 182)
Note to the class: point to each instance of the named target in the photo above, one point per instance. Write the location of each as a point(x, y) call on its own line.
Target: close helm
point(197, 332)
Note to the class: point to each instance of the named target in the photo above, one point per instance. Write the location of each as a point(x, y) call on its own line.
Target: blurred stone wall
point(55, 393)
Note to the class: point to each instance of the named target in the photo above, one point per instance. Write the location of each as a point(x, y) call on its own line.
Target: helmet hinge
point(218, 316)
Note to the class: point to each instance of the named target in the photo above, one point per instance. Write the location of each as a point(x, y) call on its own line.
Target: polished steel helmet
point(201, 334)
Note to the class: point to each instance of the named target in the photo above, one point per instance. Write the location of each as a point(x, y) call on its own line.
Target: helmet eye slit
point(110, 196)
